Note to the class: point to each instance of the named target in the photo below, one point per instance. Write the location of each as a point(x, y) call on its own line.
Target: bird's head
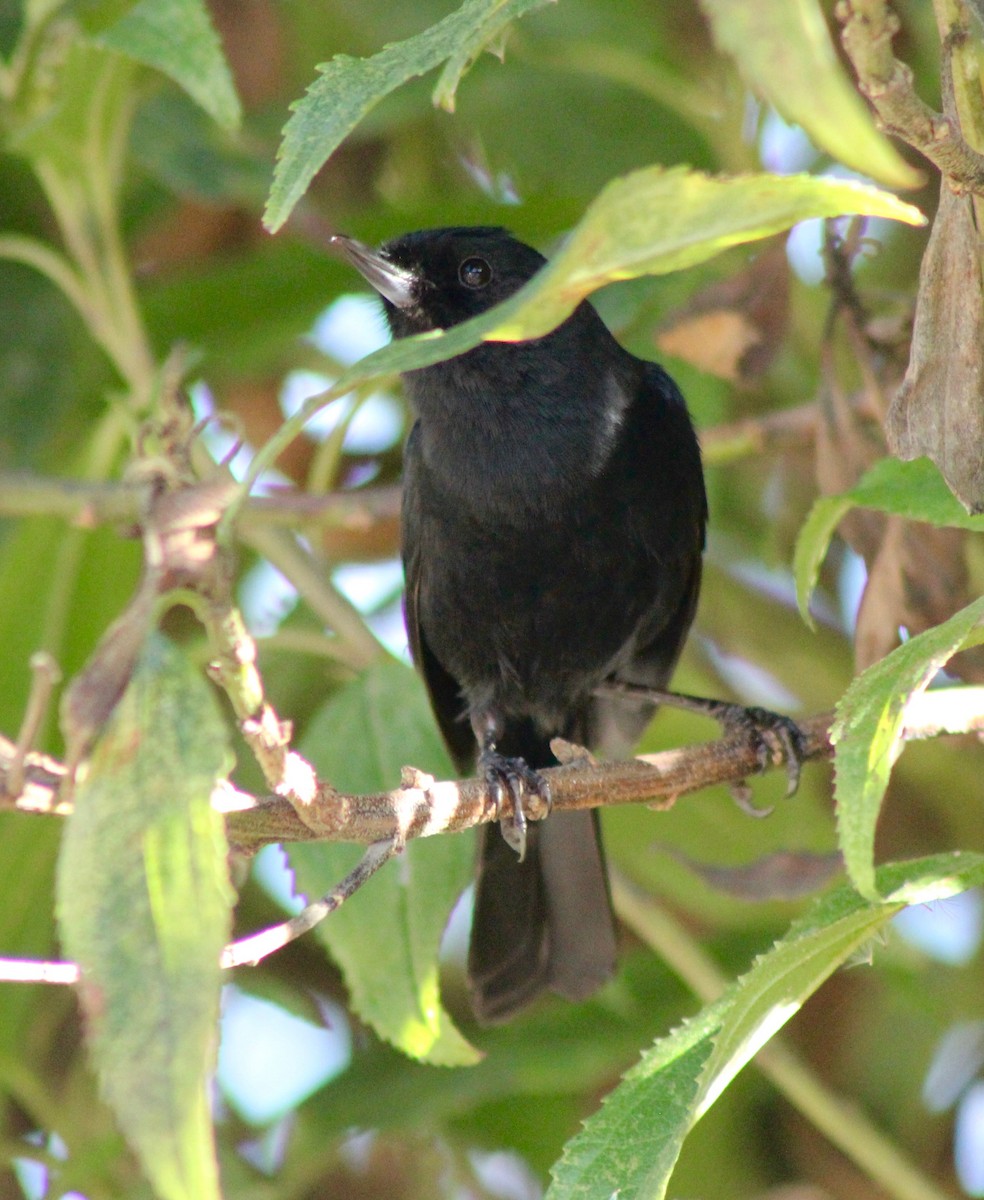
point(436, 278)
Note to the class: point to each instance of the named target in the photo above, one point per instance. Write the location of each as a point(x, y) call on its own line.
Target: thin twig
point(45, 676)
point(247, 951)
point(28, 970)
point(250, 950)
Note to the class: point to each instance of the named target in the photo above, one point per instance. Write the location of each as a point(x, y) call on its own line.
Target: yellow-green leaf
point(649, 222)
point(630, 1146)
point(783, 50)
point(867, 733)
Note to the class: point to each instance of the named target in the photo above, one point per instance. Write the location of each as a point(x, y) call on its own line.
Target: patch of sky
point(271, 1060)
point(948, 931)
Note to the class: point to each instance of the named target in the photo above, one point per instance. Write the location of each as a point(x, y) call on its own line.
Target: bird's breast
point(517, 613)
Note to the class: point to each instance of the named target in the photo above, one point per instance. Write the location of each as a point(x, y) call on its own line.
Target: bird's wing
point(443, 689)
point(669, 530)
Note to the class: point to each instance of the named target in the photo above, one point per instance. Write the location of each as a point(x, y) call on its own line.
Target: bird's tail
point(543, 924)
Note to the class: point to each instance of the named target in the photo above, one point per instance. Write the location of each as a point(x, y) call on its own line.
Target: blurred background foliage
point(309, 1101)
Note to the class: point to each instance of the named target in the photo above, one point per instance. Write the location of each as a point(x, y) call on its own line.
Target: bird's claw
point(512, 777)
point(741, 793)
point(776, 738)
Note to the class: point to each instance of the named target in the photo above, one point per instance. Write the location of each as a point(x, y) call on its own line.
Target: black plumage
point(553, 524)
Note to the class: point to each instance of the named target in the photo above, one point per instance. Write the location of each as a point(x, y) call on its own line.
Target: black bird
point(553, 525)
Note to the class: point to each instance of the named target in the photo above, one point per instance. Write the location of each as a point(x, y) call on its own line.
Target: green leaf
point(28, 852)
point(60, 587)
point(34, 326)
point(213, 306)
point(487, 32)
point(867, 733)
point(386, 938)
point(144, 907)
point(915, 490)
point(348, 88)
point(784, 52)
point(177, 143)
point(73, 119)
point(630, 1146)
point(556, 1049)
point(656, 220)
point(177, 38)
point(812, 543)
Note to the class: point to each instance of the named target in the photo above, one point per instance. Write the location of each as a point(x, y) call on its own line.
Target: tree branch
point(869, 26)
point(344, 519)
point(423, 807)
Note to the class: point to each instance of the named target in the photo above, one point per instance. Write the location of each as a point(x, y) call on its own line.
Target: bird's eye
point(475, 273)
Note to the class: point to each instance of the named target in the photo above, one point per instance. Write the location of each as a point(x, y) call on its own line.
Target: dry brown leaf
point(785, 875)
point(939, 409)
point(917, 574)
point(715, 342)
point(734, 328)
point(796, 1191)
point(917, 579)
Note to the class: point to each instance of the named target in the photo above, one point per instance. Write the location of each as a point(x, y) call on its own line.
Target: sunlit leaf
point(656, 220)
point(649, 222)
point(629, 1147)
point(867, 733)
point(783, 50)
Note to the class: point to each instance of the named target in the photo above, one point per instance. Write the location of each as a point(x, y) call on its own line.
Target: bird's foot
point(776, 739)
point(513, 778)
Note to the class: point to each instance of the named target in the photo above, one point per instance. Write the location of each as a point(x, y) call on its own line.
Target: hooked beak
point(393, 283)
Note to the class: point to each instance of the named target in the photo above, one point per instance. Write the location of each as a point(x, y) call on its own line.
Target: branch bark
point(424, 807)
point(344, 519)
point(868, 29)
